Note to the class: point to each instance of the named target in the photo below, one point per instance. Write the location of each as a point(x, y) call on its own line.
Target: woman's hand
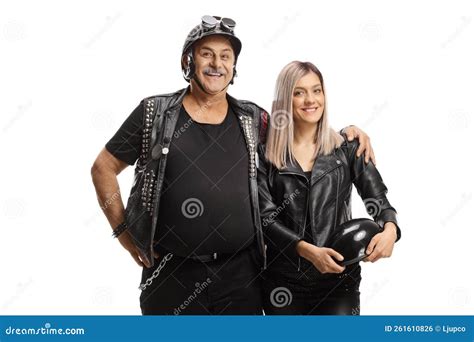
point(364, 142)
point(320, 257)
point(381, 245)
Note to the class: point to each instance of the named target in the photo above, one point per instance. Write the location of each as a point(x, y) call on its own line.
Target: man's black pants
point(229, 285)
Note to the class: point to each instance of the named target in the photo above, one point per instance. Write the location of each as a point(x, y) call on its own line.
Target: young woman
point(305, 176)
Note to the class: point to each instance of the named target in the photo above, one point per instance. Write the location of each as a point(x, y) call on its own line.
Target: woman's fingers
point(370, 250)
point(335, 254)
point(331, 265)
point(335, 268)
point(372, 244)
point(324, 260)
point(381, 246)
point(377, 253)
point(372, 256)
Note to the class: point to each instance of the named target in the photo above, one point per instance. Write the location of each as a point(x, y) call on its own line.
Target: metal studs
point(247, 126)
point(148, 190)
point(148, 122)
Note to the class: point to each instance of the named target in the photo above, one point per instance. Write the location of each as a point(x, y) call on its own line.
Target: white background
point(70, 74)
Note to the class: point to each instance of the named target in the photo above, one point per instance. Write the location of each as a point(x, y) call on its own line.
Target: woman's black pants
point(333, 295)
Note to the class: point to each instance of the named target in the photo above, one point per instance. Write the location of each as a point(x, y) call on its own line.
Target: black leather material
point(352, 238)
point(284, 198)
point(141, 223)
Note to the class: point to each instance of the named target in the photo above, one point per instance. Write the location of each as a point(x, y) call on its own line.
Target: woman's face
point(308, 99)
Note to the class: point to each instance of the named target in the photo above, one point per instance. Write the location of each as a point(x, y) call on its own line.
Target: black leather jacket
point(141, 213)
point(284, 199)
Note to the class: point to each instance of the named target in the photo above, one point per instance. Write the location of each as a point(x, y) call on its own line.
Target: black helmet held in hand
point(210, 25)
point(352, 238)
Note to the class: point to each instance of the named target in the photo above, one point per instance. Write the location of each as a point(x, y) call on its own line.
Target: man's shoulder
point(259, 114)
point(246, 104)
point(253, 104)
point(166, 95)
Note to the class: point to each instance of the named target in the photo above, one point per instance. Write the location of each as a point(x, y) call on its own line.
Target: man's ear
point(185, 60)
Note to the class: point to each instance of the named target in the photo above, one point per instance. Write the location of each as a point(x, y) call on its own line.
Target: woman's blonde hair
point(281, 129)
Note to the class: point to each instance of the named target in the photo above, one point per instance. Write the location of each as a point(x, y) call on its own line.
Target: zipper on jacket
point(337, 197)
point(308, 188)
point(304, 222)
point(309, 185)
point(308, 193)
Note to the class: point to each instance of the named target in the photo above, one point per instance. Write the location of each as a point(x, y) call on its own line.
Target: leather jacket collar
point(323, 165)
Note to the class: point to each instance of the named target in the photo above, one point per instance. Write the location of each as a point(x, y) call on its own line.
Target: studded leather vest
point(160, 117)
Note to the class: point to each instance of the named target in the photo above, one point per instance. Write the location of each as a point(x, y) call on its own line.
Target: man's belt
point(201, 258)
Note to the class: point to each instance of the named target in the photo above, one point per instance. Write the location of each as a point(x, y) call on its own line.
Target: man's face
point(214, 59)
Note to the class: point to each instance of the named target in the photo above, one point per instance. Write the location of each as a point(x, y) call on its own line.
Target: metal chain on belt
point(156, 272)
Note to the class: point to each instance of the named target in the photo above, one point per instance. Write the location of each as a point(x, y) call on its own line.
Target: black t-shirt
point(126, 144)
point(204, 205)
